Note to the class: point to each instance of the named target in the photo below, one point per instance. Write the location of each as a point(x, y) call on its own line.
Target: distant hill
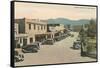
point(66, 21)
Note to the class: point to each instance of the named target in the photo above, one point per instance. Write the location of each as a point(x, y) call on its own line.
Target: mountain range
point(66, 21)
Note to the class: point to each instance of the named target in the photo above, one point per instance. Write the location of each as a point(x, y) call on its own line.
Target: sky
point(53, 11)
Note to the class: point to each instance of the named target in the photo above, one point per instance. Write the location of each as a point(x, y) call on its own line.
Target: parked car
point(18, 56)
point(31, 48)
point(38, 44)
point(76, 45)
point(49, 42)
point(78, 39)
point(58, 38)
point(72, 35)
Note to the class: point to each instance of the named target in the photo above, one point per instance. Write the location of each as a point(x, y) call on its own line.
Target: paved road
point(60, 52)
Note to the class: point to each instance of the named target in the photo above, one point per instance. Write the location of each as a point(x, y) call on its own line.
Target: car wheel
point(35, 50)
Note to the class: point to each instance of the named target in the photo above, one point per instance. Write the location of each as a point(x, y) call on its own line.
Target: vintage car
point(48, 42)
point(18, 56)
point(58, 38)
point(72, 35)
point(78, 39)
point(76, 45)
point(31, 48)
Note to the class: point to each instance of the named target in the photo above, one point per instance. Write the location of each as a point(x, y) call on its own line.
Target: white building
point(29, 30)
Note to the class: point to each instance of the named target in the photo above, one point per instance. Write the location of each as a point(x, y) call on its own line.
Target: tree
point(92, 28)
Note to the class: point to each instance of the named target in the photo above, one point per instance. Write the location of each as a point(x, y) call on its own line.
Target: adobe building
point(30, 30)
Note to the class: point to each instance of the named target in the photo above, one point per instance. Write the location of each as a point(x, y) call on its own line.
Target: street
point(60, 52)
